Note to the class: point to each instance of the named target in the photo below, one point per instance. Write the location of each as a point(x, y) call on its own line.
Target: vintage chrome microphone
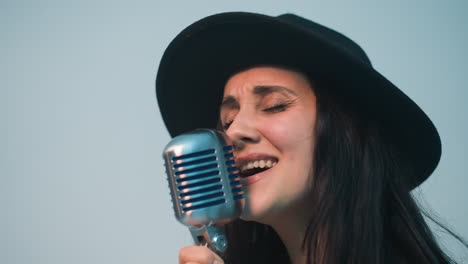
point(205, 184)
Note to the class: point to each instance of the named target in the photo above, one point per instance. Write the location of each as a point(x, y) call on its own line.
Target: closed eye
point(277, 108)
point(281, 107)
point(227, 124)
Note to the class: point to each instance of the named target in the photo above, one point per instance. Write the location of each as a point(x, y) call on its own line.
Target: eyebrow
point(260, 90)
point(264, 90)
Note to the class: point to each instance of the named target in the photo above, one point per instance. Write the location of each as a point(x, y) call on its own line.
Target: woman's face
point(269, 114)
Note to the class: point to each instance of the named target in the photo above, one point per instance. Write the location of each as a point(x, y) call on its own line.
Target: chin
point(257, 212)
point(249, 216)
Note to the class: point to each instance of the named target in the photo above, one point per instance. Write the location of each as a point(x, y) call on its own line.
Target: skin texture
point(257, 128)
point(270, 113)
point(198, 254)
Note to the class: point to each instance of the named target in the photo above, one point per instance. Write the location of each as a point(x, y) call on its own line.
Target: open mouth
point(256, 166)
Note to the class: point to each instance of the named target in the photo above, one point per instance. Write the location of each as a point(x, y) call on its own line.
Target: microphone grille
point(203, 178)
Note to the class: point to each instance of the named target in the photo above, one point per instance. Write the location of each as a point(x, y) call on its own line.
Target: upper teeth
point(258, 164)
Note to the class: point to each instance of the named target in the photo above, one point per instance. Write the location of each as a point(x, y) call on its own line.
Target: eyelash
point(274, 109)
point(277, 108)
point(227, 124)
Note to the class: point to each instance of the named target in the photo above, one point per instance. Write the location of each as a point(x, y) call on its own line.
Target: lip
point(254, 178)
point(240, 161)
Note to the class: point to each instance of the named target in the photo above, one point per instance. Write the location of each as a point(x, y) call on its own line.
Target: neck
point(291, 228)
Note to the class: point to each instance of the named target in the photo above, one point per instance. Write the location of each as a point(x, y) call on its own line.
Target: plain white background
point(81, 135)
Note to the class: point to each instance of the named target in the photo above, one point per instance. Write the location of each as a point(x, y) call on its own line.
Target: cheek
point(290, 131)
point(278, 134)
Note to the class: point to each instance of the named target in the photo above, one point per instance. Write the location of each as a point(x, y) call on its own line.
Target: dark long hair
point(362, 209)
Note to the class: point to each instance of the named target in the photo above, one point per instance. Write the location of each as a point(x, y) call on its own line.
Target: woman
point(328, 149)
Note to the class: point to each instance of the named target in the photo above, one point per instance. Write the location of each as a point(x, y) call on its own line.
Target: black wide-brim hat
point(199, 61)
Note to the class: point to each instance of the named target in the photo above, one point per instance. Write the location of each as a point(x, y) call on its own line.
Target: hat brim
point(198, 62)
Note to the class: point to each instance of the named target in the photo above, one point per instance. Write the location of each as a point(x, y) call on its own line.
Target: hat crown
point(331, 36)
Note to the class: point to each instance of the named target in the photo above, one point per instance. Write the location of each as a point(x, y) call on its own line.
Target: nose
point(243, 131)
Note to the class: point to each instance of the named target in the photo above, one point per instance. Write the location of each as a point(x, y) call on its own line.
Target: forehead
point(244, 82)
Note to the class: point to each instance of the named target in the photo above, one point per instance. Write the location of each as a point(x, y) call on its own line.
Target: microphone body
point(204, 184)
